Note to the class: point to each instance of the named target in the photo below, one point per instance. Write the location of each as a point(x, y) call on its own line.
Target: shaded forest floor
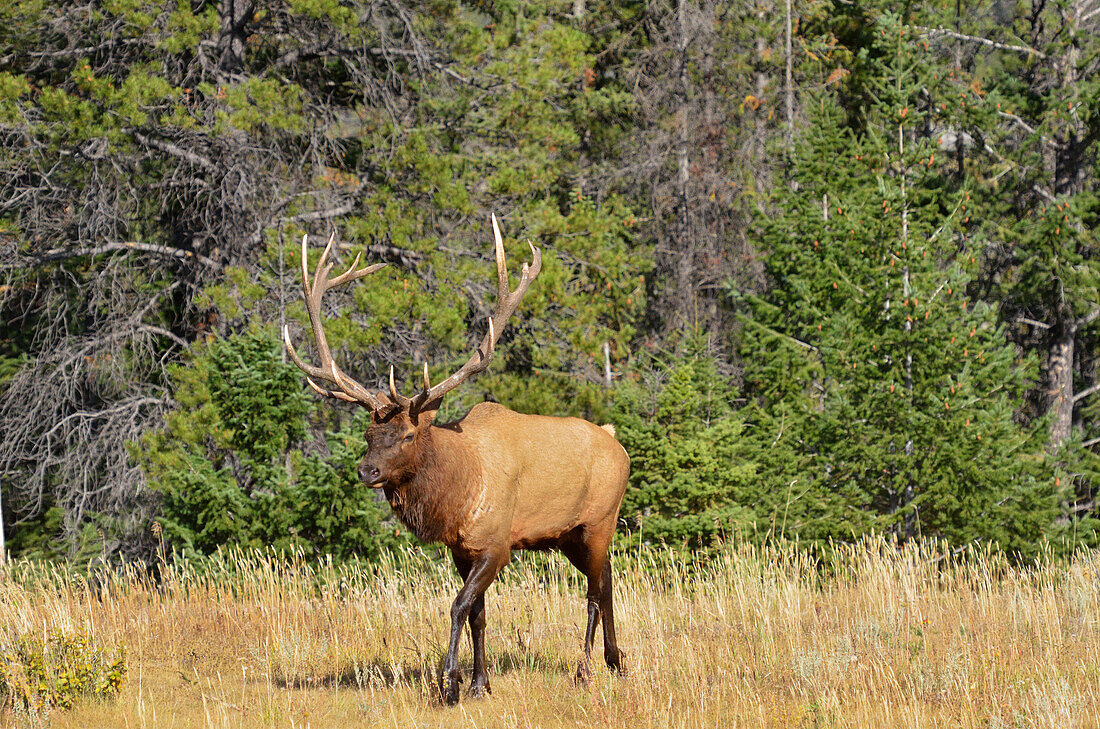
point(910, 637)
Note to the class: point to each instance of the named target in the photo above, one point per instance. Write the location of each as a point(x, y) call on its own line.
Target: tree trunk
point(1060, 382)
point(234, 15)
point(684, 264)
point(1067, 169)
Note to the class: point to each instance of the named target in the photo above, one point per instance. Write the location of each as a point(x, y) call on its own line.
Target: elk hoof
point(449, 686)
point(584, 674)
point(615, 662)
point(480, 688)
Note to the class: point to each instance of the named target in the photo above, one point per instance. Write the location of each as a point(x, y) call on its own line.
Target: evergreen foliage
point(230, 468)
point(894, 391)
point(901, 201)
point(691, 481)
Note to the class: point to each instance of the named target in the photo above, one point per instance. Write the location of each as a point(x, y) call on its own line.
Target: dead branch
point(944, 32)
point(57, 254)
point(176, 151)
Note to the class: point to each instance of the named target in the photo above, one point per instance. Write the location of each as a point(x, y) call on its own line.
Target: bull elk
point(491, 482)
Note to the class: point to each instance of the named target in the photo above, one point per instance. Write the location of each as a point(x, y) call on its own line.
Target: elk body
point(491, 482)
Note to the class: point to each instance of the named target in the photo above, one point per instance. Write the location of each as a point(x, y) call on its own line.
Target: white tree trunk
point(3, 546)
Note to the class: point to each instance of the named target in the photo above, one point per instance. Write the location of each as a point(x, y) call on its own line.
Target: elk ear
point(384, 416)
point(425, 415)
point(388, 410)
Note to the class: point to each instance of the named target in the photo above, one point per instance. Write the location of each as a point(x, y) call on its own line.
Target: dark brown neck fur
point(432, 500)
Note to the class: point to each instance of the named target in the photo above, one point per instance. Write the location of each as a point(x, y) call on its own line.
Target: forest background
point(829, 267)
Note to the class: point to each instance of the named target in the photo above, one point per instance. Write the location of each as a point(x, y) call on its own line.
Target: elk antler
point(507, 301)
point(347, 389)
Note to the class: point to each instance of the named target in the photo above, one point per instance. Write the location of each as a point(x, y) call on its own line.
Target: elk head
point(399, 423)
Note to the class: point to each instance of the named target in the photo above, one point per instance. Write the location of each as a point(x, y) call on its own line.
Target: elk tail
point(609, 428)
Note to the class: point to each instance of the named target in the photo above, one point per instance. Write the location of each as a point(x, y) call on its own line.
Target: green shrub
point(40, 674)
point(234, 466)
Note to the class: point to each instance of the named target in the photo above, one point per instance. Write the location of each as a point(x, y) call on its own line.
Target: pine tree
point(1048, 272)
point(891, 390)
point(1036, 71)
point(506, 128)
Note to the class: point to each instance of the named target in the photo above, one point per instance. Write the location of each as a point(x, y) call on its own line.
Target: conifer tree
point(232, 464)
point(690, 478)
point(1036, 71)
point(891, 391)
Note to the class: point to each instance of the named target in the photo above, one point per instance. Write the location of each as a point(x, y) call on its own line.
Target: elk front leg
point(480, 685)
point(483, 570)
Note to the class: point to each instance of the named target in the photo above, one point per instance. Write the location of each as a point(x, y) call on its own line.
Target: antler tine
point(349, 389)
point(309, 369)
point(357, 392)
point(329, 393)
point(353, 274)
point(305, 264)
point(502, 268)
point(507, 301)
point(324, 255)
point(346, 275)
point(393, 387)
point(396, 396)
point(320, 273)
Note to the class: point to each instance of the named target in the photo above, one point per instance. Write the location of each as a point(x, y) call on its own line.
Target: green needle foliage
point(888, 391)
point(903, 201)
point(691, 481)
point(230, 466)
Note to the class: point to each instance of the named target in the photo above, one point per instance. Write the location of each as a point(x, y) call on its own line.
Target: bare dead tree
point(3, 543)
point(695, 167)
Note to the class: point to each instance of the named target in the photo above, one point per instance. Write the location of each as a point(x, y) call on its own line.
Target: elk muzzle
point(369, 474)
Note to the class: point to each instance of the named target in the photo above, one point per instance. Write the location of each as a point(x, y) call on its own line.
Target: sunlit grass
point(755, 637)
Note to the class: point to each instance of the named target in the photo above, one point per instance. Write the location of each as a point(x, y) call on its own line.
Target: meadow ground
point(757, 638)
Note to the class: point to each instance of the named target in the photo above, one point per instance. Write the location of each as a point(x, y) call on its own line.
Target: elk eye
point(408, 438)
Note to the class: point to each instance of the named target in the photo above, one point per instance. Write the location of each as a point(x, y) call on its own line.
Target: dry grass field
point(758, 638)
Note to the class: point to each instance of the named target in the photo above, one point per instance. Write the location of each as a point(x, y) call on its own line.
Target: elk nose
point(367, 473)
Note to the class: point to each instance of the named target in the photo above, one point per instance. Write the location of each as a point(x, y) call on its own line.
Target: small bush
point(40, 674)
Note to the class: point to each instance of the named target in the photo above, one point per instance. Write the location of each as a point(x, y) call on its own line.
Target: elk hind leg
point(591, 565)
point(611, 653)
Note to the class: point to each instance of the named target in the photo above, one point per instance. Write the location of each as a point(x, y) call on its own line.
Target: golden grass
point(894, 637)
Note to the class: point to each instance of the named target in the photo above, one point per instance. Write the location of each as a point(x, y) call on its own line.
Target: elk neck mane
point(434, 499)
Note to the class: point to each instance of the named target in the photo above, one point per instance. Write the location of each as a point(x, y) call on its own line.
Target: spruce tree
point(690, 480)
point(232, 464)
point(890, 392)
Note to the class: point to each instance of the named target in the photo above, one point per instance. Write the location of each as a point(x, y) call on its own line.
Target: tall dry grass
point(890, 636)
